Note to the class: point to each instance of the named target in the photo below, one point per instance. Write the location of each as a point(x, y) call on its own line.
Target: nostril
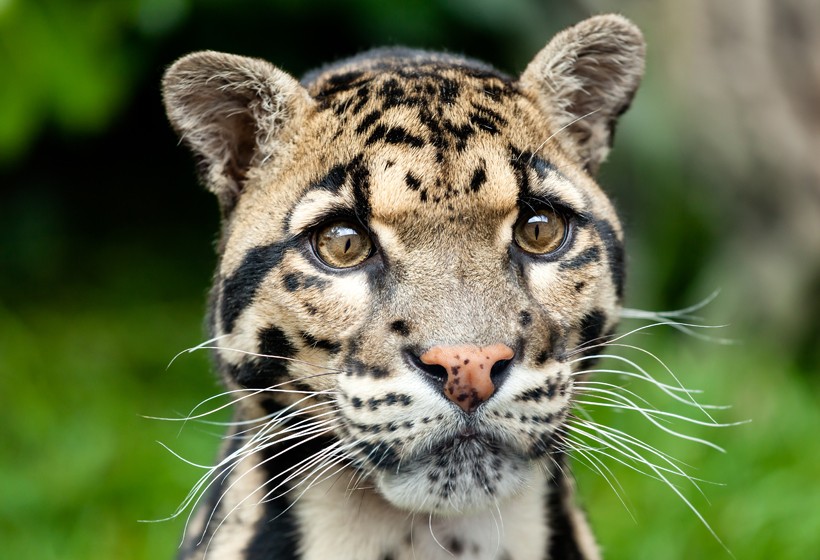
point(500, 371)
point(435, 372)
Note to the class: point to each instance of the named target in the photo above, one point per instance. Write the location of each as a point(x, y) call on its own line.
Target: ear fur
point(234, 113)
point(584, 79)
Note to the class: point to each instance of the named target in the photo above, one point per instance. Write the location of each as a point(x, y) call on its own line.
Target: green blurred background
point(106, 249)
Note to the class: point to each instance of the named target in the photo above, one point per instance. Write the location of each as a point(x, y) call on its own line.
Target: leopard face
point(414, 255)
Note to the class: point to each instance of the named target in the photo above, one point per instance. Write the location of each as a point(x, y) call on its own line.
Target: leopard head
point(414, 254)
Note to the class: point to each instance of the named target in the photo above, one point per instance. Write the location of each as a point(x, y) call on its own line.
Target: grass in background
point(80, 466)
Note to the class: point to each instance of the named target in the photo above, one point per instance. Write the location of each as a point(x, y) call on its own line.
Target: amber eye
point(540, 232)
point(342, 244)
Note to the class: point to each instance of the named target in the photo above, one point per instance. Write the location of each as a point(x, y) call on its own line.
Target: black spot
point(478, 179)
point(291, 282)
point(296, 280)
point(518, 162)
point(579, 286)
point(592, 325)
point(334, 179)
point(588, 256)
point(377, 134)
point(448, 91)
point(455, 546)
point(341, 82)
point(380, 454)
point(360, 179)
point(239, 289)
point(368, 121)
point(392, 93)
point(537, 394)
point(412, 182)
point(482, 122)
point(323, 344)
point(356, 402)
point(379, 372)
point(394, 135)
point(364, 96)
point(270, 368)
point(615, 254)
point(400, 327)
point(524, 318)
point(461, 133)
point(541, 167)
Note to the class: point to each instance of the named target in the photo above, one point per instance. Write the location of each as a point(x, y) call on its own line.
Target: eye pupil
point(540, 232)
point(342, 244)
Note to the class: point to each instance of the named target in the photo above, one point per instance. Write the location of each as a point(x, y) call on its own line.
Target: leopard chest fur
point(415, 258)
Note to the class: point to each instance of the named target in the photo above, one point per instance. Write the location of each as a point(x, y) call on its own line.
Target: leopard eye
point(342, 244)
point(541, 232)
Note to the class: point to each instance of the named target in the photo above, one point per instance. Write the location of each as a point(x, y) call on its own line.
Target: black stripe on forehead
point(357, 174)
point(523, 162)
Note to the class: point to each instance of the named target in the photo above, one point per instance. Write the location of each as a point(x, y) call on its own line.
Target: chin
point(461, 476)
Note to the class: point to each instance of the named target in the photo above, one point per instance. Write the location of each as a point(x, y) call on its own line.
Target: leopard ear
point(234, 113)
point(584, 79)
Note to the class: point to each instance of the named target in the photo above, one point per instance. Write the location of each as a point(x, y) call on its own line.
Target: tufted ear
point(584, 79)
point(234, 113)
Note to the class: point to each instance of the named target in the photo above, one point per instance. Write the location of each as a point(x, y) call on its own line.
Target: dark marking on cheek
point(295, 281)
point(579, 286)
point(401, 327)
point(525, 318)
point(321, 343)
point(274, 342)
point(379, 454)
point(615, 254)
point(586, 257)
point(270, 368)
point(291, 282)
point(592, 326)
point(239, 289)
point(455, 546)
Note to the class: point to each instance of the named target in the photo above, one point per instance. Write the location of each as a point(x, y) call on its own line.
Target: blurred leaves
point(64, 63)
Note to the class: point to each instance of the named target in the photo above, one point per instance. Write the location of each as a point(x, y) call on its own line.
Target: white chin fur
point(450, 485)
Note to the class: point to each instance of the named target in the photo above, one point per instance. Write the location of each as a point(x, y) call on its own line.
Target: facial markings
point(588, 256)
point(260, 372)
point(615, 254)
point(239, 289)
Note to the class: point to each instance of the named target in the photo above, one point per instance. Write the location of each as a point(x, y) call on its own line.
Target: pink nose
point(468, 367)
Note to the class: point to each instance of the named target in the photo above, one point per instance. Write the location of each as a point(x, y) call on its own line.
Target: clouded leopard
point(415, 260)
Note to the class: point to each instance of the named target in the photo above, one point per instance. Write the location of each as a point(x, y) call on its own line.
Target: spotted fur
point(344, 446)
